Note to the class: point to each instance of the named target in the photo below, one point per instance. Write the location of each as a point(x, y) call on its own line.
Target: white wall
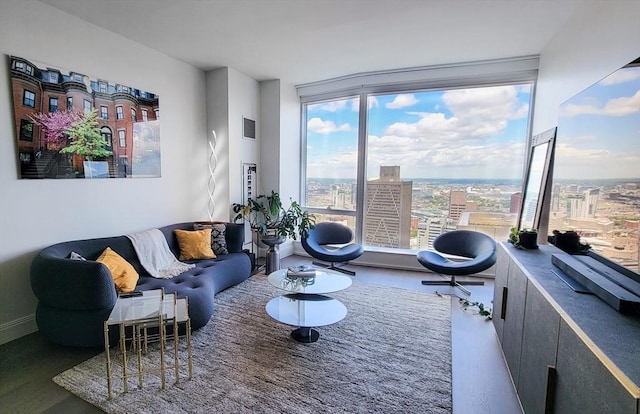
point(37, 213)
point(270, 136)
point(280, 144)
point(217, 93)
point(244, 96)
point(232, 96)
point(599, 39)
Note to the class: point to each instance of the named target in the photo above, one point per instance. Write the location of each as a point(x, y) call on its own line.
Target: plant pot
point(528, 239)
point(568, 241)
point(273, 252)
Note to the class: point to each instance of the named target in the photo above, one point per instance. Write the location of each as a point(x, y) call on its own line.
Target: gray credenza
point(567, 352)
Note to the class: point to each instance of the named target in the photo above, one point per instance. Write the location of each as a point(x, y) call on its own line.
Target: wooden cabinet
point(514, 320)
point(566, 352)
point(538, 358)
point(584, 383)
point(500, 291)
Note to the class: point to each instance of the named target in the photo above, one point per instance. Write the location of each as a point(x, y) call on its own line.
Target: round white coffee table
point(306, 306)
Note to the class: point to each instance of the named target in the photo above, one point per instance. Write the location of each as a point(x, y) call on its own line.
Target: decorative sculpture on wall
point(211, 183)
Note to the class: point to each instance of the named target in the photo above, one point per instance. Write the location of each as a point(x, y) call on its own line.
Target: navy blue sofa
point(75, 297)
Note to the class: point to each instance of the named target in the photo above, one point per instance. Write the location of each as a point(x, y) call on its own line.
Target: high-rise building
point(430, 229)
point(457, 204)
point(514, 202)
point(387, 221)
point(583, 204)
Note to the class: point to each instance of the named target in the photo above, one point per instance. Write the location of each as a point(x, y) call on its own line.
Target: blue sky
point(462, 133)
point(599, 130)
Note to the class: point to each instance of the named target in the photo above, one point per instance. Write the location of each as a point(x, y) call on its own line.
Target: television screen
point(596, 172)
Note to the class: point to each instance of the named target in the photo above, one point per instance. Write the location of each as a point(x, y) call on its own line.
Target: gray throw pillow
point(218, 241)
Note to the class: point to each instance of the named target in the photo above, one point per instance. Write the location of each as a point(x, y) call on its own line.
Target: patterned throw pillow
point(218, 241)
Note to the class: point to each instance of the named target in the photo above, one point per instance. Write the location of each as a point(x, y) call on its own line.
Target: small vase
point(273, 252)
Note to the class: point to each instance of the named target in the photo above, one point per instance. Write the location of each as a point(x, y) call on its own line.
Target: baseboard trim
point(17, 328)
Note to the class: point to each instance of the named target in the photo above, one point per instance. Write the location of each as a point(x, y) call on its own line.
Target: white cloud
point(420, 157)
point(615, 107)
point(621, 76)
point(340, 165)
point(402, 101)
point(477, 113)
point(373, 102)
point(319, 126)
point(330, 106)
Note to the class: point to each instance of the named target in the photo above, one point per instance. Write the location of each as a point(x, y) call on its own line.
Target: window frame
point(24, 126)
point(122, 138)
point(53, 104)
point(468, 75)
point(28, 102)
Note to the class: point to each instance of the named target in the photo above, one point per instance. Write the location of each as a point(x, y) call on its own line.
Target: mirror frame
point(535, 145)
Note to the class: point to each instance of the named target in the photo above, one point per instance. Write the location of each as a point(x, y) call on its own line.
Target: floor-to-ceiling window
point(332, 159)
point(401, 167)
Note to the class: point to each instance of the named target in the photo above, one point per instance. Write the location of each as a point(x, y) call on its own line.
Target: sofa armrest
point(234, 235)
point(72, 284)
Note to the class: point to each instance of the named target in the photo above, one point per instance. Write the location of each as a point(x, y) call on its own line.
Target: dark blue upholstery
point(478, 247)
point(76, 297)
point(331, 242)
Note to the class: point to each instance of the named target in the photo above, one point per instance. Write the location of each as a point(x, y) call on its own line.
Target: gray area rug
point(391, 354)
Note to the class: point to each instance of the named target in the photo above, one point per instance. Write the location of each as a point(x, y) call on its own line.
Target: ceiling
point(302, 41)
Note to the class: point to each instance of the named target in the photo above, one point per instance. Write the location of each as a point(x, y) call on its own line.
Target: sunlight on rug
point(391, 354)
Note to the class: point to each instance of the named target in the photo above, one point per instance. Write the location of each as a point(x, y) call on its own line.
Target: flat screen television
point(596, 171)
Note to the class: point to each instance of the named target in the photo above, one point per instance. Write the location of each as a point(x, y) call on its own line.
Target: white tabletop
point(306, 310)
point(325, 281)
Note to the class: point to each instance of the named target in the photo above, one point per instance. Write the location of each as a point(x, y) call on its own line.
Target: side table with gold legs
point(135, 317)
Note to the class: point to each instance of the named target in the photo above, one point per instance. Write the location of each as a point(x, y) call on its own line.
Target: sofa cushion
point(195, 244)
point(218, 238)
point(124, 275)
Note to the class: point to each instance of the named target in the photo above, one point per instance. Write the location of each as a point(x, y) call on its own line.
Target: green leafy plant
point(267, 216)
point(482, 309)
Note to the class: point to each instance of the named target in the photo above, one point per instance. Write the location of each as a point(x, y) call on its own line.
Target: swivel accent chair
point(332, 242)
point(478, 247)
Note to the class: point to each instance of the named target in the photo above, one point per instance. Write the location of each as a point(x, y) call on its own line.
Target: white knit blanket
point(155, 255)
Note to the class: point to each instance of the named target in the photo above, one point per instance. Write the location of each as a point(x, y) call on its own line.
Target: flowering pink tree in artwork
point(56, 125)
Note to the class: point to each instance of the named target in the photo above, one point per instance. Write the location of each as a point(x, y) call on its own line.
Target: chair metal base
point(454, 283)
point(333, 266)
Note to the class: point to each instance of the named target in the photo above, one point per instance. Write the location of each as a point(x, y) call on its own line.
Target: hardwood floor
point(481, 383)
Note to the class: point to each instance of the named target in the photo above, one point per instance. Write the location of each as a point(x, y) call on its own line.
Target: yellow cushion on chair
point(124, 275)
point(195, 244)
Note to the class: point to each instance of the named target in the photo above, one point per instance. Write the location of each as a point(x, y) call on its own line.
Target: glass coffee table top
point(324, 281)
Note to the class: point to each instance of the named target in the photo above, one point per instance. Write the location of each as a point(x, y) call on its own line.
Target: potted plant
point(524, 238)
point(268, 217)
point(568, 241)
point(273, 223)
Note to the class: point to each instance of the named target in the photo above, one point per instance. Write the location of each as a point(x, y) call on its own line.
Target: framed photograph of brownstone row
point(72, 125)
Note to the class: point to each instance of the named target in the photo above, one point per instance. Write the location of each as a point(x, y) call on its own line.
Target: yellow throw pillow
point(195, 244)
point(124, 275)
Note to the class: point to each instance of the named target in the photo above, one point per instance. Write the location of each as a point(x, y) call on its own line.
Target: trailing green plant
point(482, 309)
point(267, 216)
